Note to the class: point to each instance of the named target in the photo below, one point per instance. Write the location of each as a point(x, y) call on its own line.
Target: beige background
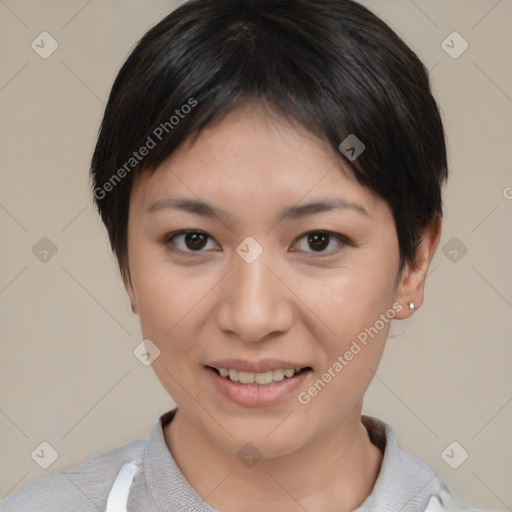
point(68, 375)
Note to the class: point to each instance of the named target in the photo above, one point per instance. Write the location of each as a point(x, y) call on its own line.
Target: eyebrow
point(205, 209)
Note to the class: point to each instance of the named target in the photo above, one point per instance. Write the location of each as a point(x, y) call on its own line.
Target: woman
point(270, 175)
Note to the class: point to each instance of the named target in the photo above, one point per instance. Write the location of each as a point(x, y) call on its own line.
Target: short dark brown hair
point(331, 65)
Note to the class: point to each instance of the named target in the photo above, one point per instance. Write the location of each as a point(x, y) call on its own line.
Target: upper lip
point(261, 366)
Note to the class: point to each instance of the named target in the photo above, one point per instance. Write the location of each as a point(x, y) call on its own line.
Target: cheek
point(353, 308)
point(347, 302)
point(170, 316)
point(168, 299)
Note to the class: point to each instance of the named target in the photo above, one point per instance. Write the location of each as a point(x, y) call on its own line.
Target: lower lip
point(254, 395)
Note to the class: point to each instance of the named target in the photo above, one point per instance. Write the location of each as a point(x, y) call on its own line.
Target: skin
point(291, 303)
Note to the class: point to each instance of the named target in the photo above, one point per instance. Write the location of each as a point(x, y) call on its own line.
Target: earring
point(411, 305)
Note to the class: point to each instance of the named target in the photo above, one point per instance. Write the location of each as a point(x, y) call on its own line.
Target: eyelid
point(342, 239)
point(167, 241)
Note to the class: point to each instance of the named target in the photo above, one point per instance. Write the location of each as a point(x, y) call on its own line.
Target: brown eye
point(191, 242)
point(318, 241)
point(195, 240)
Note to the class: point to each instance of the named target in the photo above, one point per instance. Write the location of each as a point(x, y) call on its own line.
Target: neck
point(335, 472)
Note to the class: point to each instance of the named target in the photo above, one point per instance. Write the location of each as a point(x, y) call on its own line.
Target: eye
point(319, 240)
point(193, 241)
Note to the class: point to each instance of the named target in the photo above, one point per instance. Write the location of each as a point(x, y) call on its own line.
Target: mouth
point(267, 378)
point(257, 389)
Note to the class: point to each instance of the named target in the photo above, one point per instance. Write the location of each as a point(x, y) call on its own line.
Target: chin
point(273, 438)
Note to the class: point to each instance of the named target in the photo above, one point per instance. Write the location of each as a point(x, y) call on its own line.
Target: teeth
point(258, 378)
point(263, 378)
point(244, 377)
point(279, 374)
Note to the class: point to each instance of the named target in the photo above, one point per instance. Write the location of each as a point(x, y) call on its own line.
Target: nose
point(254, 302)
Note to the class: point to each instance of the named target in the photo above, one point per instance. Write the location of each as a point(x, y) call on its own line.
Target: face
point(261, 282)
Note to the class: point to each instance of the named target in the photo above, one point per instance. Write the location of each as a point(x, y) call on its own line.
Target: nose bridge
point(251, 278)
point(253, 299)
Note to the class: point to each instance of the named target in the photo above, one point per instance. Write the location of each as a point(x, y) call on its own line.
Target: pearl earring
point(411, 305)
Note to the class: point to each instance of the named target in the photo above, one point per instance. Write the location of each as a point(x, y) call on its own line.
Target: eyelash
point(343, 241)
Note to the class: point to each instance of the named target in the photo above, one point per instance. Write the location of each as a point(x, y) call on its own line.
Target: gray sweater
point(153, 482)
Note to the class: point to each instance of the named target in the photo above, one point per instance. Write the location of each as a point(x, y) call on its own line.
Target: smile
point(257, 389)
point(263, 378)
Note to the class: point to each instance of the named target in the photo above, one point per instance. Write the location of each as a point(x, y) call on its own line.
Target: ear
point(127, 281)
point(410, 287)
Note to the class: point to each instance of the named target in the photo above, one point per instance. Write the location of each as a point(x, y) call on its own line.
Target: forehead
point(252, 157)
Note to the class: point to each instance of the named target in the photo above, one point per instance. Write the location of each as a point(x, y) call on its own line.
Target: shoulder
point(405, 482)
point(85, 486)
point(445, 501)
